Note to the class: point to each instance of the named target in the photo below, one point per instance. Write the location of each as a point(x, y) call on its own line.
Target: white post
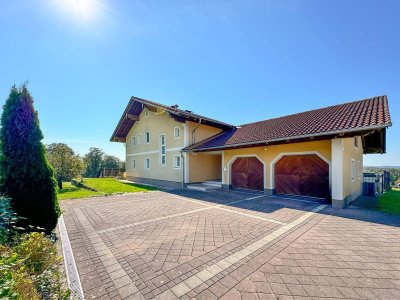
point(337, 174)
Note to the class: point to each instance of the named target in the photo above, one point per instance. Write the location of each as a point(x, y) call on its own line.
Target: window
point(358, 170)
point(177, 133)
point(147, 163)
point(353, 169)
point(163, 156)
point(133, 142)
point(133, 164)
point(138, 139)
point(146, 112)
point(147, 137)
point(177, 161)
point(356, 141)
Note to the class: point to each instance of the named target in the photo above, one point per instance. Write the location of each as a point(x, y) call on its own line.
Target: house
point(318, 153)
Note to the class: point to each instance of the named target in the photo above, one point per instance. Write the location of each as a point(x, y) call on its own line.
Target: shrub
point(29, 270)
point(25, 175)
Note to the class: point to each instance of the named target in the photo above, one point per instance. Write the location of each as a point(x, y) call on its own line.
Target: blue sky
point(237, 61)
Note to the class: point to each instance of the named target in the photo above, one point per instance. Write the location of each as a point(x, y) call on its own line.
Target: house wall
point(156, 124)
point(204, 167)
point(352, 189)
point(200, 167)
point(269, 154)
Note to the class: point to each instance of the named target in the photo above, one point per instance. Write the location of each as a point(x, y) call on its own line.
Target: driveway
point(229, 245)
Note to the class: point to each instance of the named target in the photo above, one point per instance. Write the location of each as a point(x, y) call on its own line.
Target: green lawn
point(112, 186)
point(70, 191)
point(390, 201)
point(103, 186)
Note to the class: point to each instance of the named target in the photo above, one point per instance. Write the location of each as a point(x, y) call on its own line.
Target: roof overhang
point(373, 137)
point(135, 107)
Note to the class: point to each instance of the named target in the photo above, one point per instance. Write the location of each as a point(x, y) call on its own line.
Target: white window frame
point(359, 169)
point(133, 166)
point(145, 135)
point(138, 139)
point(146, 112)
point(147, 159)
point(353, 170)
point(175, 160)
point(133, 142)
point(177, 137)
point(161, 150)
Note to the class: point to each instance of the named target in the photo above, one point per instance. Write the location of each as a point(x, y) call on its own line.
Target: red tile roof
point(349, 117)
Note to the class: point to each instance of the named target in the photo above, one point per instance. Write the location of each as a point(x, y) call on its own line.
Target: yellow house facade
point(313, 154)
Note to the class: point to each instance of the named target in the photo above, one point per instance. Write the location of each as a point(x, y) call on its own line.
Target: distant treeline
point(394, 172)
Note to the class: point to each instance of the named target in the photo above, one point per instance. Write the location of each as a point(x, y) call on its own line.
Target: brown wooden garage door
point(247, 173)
point(306, 175)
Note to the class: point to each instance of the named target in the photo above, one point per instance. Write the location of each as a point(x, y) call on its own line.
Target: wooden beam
point(150, 108)
point(177, 118)
point(132, 117)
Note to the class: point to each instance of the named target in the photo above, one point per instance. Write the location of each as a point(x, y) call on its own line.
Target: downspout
point(194, 130)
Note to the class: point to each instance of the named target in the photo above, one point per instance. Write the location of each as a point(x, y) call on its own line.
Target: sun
point(83, 10)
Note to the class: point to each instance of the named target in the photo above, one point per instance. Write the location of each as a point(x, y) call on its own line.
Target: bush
point(29, 269)
point(25, 175)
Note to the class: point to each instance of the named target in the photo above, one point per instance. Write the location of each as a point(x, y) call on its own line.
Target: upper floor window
point(359, 170)
point(353, 170)
point(146, 112)
point(163, 153)
point(133, 141)
point(356, 141)
point(177, 132)
point(147, 163)
point(147, 137)
point(177, 161)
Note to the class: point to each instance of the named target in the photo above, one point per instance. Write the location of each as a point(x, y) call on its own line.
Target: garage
point(305, 175)
point(248, 173)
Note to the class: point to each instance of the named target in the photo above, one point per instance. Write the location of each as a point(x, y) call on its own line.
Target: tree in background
point(25, 175)
point(94, 162)
point(66, 164)
point(112, 162)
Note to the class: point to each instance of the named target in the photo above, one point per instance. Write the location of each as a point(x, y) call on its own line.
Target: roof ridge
point(316, 109)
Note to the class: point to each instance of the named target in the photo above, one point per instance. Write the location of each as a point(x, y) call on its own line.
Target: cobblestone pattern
point(182, 244)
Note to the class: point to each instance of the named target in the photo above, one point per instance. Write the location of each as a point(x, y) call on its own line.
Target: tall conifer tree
point(25, 175)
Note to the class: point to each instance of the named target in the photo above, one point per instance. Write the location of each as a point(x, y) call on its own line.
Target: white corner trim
point(229, 165)
point(280, 155)
point(185, 136)
point(222, 167)
point(337, 169)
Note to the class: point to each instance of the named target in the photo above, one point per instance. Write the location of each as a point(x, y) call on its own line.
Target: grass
point(70, 191)
point(390, 201)
point(103, 186)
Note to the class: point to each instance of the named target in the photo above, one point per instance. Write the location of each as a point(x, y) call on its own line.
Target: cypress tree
point(25, 175)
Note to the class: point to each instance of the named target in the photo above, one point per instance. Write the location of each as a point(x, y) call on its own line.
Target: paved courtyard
point(230, 245)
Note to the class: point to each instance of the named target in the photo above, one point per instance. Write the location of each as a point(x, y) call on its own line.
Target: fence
point(112, 172)
point(375, 183)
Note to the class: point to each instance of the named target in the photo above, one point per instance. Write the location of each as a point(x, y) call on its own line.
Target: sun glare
point(83, 10)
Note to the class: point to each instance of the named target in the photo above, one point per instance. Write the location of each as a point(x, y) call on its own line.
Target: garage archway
point(305, 175)
point(247, 173)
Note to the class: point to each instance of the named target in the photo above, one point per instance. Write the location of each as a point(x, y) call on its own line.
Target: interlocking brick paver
point(186, 244)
